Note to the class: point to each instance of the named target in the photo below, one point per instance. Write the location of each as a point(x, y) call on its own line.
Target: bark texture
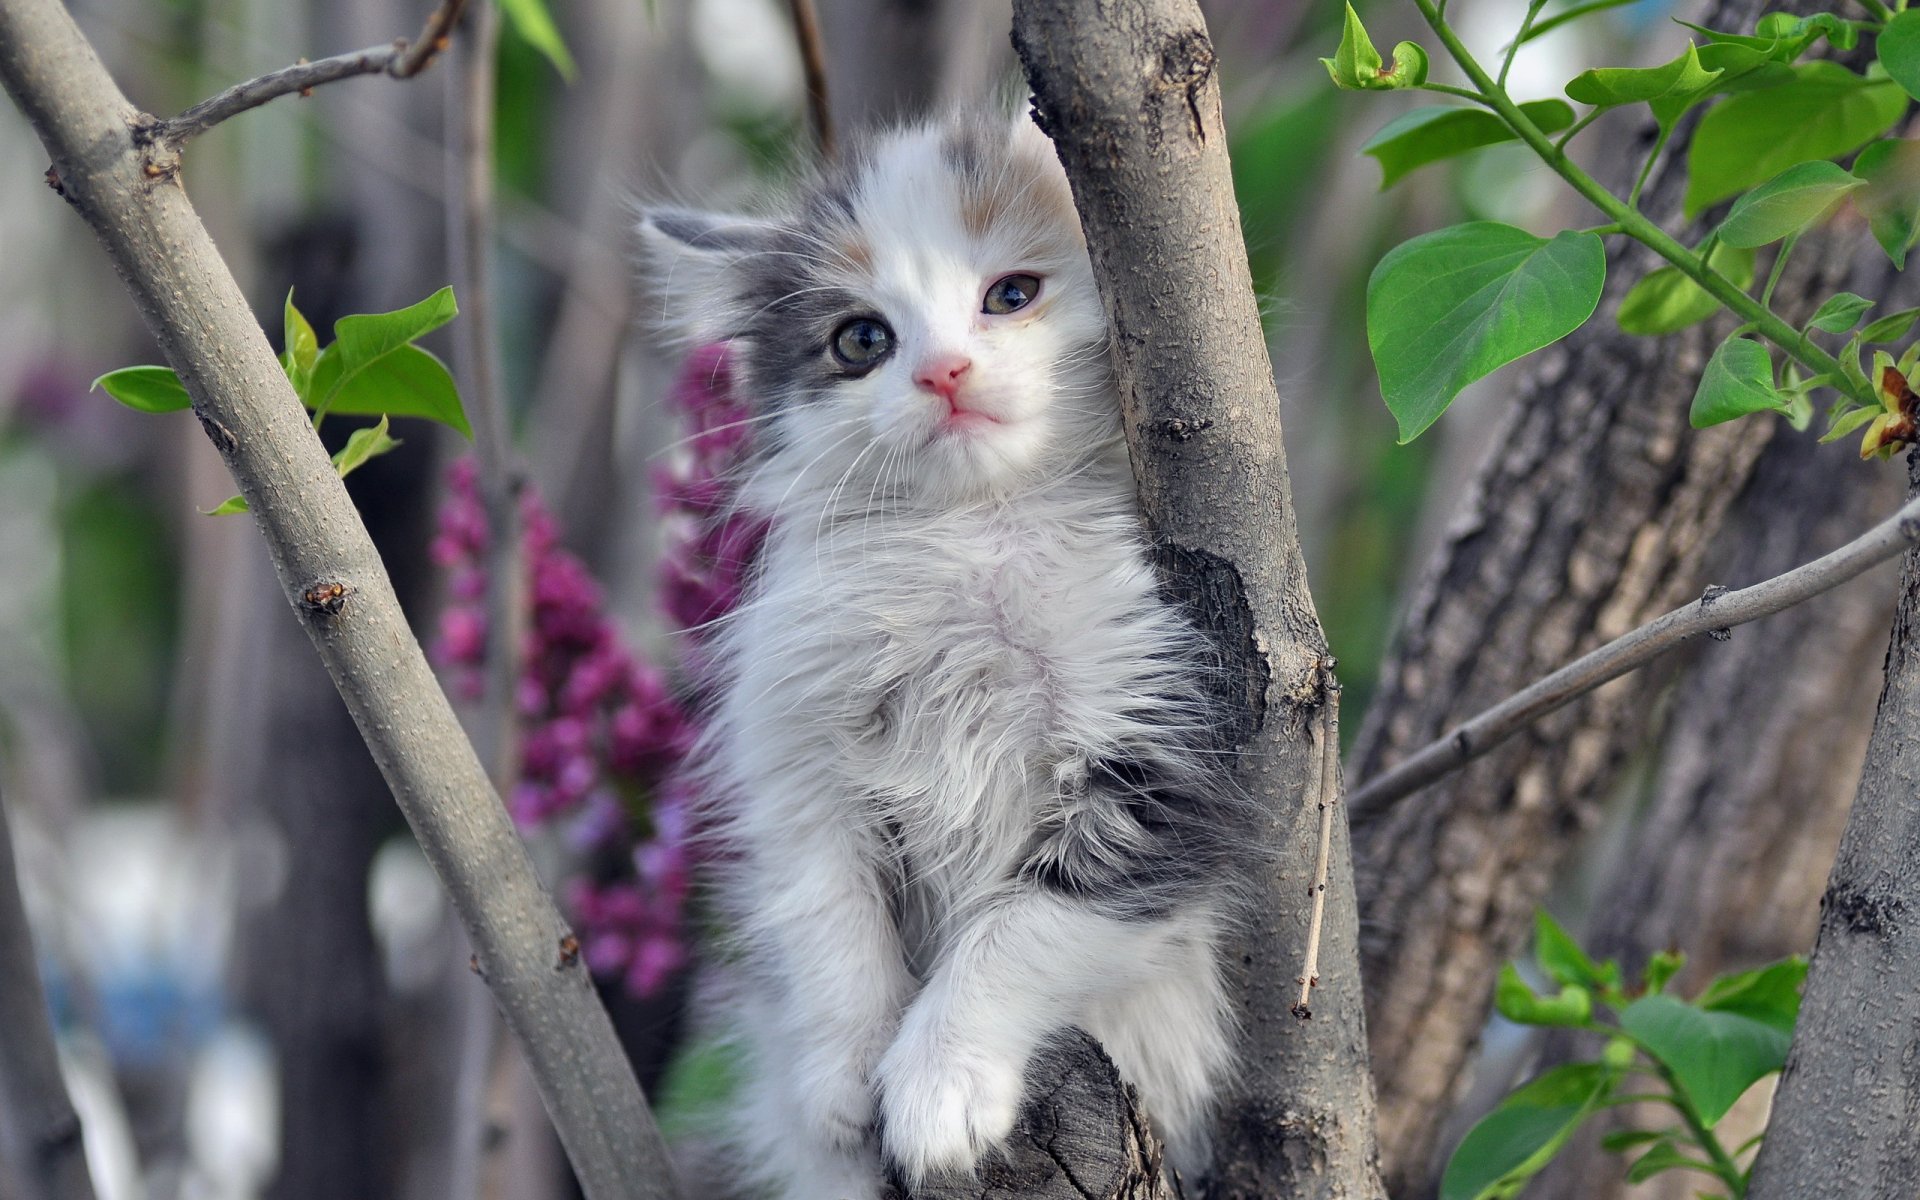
point(1594, 512)
point(130, 196)
point(1129, 93)
point(1755, 773)
point(1080, 1137)
point(1846, 1116)
point(39, 1131)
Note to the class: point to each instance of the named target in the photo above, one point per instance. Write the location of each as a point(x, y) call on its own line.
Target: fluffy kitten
point(961, 748)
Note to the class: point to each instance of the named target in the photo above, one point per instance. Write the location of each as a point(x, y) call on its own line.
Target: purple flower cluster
point(603, 732)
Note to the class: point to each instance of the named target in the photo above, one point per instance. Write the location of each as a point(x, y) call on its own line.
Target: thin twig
point(399, 60)
point(1717, 611)
point(470, 133)
point(813, 60)
point(1326, 793)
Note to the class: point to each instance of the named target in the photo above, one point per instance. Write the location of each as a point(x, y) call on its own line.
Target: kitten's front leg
point(824, 933)
point(951, 1082)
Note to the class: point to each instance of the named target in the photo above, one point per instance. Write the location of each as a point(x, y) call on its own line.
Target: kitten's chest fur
point(954, 673)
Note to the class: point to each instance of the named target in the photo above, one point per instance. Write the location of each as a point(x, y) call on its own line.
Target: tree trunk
point(1755, 771)
point(1129, 93)
point(1846, 1116)
point(1595, 511)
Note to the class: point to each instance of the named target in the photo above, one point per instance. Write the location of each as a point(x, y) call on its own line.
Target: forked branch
point(399, 60)
point(1717, 611)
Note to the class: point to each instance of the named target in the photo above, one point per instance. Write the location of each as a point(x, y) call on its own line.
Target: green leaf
point(1355, 63)
point(1890, 328)
point(1606, 87)
point(1518, 1002)
point(1844, 423)
point(1787, 203)
point(1424, 135)
point(1513, 1142)
point(408, 382)
point(1451, 306)
point(1841, 312)
point(1562, 960)
point(1627, 1139)
point(1799, 33)
point(1823, 111)
point(1408, 67)
point(363, 444)
point(1770, 994)
point(1899, 49)
point(1738, 380)
point(1716, 1056)
point(1891, 199)
point(531, 20)
point(1662, 966)
point(1664, 1157)
point(227, 507)
point(301, 348)
point(1667, 300)
point(149, 389)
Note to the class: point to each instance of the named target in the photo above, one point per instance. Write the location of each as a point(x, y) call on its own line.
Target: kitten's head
point(921, 319)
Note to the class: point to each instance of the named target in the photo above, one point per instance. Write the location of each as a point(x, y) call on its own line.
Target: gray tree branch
point(1715, 612)
point(38, 1126)
point(335, 581)
point(1129, 92)
point(399, 59)
point(1846, 1116)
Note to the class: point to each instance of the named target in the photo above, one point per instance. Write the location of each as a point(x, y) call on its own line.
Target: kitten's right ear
point(689, 253)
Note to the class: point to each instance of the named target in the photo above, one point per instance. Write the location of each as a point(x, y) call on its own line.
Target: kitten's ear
point(689, 253)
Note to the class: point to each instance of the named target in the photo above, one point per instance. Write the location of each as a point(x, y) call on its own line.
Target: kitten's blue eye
point(1010, 293)
point(862, 342)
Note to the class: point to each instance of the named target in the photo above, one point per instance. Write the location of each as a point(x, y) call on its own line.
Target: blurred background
point(258, 988)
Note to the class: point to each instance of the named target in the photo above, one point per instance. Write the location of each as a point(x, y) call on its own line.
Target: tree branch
point(334, 579)
point(1128, 91)
point(813, 60)
point(399, 60)
point(1717, 611)
point(37, 1122)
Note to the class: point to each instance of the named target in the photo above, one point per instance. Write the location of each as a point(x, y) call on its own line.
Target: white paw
point(943, 1106)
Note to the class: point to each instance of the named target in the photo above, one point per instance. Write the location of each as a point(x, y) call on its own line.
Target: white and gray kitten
point(967, 786)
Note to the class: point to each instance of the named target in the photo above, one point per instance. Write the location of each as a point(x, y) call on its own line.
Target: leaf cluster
point(1447, 308)
point(373, 368)
point(1695, 1056)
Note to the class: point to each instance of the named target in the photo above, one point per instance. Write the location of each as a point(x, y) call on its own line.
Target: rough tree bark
point(39, 1131)
point(1129, 92)
point(130, 195)
point(1846, 1116)
point(1595, 511)
point(1728, 857)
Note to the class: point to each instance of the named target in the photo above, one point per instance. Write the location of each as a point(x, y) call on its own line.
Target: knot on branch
point(326, 598)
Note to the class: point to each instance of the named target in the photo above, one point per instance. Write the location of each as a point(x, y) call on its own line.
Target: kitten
point(965, 767)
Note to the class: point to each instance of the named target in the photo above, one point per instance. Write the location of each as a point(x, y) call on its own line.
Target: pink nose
point(941, 375)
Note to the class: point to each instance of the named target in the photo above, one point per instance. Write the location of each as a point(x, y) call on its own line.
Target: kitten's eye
point(1010, 293)
point(862, 342)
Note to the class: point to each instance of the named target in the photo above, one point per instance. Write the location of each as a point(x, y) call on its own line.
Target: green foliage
point(1356, 65)
point(1738, 381)
point(1426, 135)
point(1668, 300)
point(531, 20)
point(1704, 1054)
point(372, 368)
point(1450, 306)
point(1823, 111)
point(1447, 307)
point(1786, 204)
